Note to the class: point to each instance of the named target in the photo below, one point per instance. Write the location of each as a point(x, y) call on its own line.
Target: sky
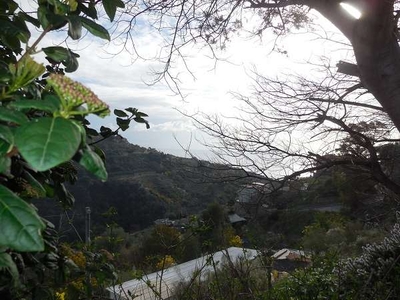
point(122, 80)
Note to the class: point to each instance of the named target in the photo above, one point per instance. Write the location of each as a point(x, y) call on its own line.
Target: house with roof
point(235, 220)
point(288, 260)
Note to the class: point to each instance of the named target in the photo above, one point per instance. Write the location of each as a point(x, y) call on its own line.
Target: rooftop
point(163, 282)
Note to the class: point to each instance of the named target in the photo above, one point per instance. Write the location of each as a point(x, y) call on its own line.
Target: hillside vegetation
point(145, 185)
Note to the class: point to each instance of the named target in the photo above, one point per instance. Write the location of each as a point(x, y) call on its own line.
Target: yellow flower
point(165, 262)
point(79, 259)
point(93, 282)
point(236, 241)
point(60, 295)
point(78, 284)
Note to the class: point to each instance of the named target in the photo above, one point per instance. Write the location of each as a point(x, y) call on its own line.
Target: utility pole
point(87, 225)
point(87, 242)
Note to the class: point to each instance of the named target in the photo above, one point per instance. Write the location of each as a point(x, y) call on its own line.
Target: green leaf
point(5, 75)
point(20, 224)
point(5, 164)
point(59, 7)
point(71, 64)
point(6, 262)
point(123, 123)
point(119, 3)
point(132, 110)
point(8, 27)
point(6, 134)
point(105, 131)
point(9, 5)
point(93, 163)
point(50, 190)
point(23, 33)
point(58, 54)
point(89, 10)
point(75, 27)
point(4, 147)
point(11, 42)
point(120, 113)
point(82, 131)
point(16, 28)
point(41, 13)
point(141, 114)
point(29, 19)
point(91, 131)
point(111, 8)
point(26, 71)
point(56, 21)
point(100, 153)
point(13, 116)
point(47, 18)
point(141, 120)
point(52, 100)
point(48, 142)
point(95, 28)
point(48, 106)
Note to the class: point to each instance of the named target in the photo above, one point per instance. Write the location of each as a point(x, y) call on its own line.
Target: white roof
point(234, 218)
point(284, 253)
point(147, 287)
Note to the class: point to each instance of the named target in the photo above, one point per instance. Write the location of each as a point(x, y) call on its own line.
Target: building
point(161, 284)
point(251, 193)
point(235, 219)
point(288, 260)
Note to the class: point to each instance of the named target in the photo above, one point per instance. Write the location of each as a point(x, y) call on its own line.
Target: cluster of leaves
point(82, 274)
point(316, 282)
point(44, 131)
point(372, 275)
point(376, 273)
point(163, 245)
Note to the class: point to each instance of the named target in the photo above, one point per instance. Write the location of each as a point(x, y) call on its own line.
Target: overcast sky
point(122, 81)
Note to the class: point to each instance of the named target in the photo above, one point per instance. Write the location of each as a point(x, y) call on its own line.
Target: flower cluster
point(377, 268)
point(77, 257)
point(73, 94)
point(60, 295)
point(165, 262)
point(236, 241)
point(78, 284)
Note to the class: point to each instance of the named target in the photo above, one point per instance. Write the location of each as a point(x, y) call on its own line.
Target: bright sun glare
point(354, 12)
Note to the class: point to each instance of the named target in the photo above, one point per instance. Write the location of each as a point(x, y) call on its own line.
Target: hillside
point(144, 185)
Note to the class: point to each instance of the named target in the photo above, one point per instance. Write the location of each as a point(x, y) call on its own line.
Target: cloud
point(120, 75)
point(173, 126)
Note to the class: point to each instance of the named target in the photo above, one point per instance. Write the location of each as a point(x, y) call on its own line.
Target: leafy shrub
point(375, 274)
point(44, 133)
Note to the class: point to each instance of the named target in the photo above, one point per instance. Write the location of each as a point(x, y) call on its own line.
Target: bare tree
point(297, 126)
point(373, 36)
point(293, 126)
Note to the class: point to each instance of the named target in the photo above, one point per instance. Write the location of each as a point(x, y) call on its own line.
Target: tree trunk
point(378, 57)
point(375, 45)
point(380, 73)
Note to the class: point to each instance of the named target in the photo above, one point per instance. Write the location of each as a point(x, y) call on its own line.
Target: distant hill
point(144, 185)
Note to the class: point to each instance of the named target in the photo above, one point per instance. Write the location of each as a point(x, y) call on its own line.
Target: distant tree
point(164, 239)
point(216, 232)
point(301, 127)
point(214, 216)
